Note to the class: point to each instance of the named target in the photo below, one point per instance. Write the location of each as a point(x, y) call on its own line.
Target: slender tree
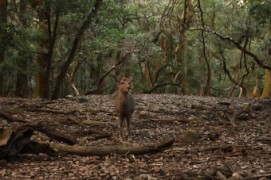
point(207, 89)
point(52, 35)
point(182, 49)
point(93, 13)
point(23, 58)
point(3, 43)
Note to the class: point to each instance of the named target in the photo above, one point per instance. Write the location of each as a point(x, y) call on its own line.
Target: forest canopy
point(54, 48)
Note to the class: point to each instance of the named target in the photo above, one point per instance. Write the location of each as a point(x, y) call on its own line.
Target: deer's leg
point(128, 121)
point(121, 123)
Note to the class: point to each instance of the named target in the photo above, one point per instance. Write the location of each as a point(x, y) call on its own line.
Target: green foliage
point(260, 10)
point(140, 28)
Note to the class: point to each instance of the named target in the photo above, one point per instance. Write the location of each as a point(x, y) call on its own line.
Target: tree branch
point(159, 85)
point(240, 47)
point(103, 77)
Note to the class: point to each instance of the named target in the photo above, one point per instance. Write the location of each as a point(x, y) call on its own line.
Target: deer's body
point(124, 105)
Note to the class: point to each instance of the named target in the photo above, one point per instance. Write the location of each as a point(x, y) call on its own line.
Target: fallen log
point(10, 118)
point(53, 111)
point(13, 139)
point(17, 139)
point(61, 149)
point(52, 133)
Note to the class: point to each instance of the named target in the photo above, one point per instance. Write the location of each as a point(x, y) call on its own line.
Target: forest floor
point(215, 138)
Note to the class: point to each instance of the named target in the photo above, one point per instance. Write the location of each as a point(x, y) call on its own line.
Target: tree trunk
point(72, 54)
point(267, 73)
point(3, 31)
point(52, 35)
point(147, 76)
point(22, 77)
point(99, 74)
point(23, 59)
point(267, 84)
point(207, 89)
point(43, 47)
point(47, 45)
point(40, 74)
point(182, 50)
point(184, 62)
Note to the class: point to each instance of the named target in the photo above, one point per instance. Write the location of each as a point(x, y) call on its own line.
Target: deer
point(124, 106)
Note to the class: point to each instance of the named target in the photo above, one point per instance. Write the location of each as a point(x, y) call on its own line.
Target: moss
point(190, 136)
point(94, 111)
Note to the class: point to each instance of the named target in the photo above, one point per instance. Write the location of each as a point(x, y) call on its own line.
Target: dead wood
point(41, 127)
point(15, 138)
point(224, 148)
point(33, 147)
point(10, 118)
point(53, 133)
point(52, 111)
point(61, 149)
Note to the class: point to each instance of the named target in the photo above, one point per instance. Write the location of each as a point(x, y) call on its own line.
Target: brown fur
point(124, 105)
